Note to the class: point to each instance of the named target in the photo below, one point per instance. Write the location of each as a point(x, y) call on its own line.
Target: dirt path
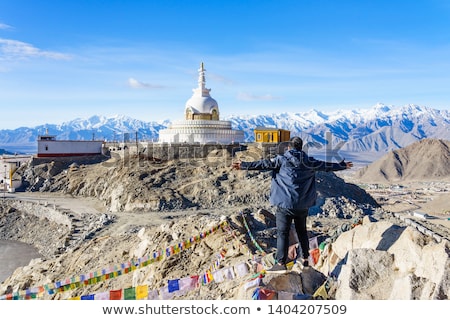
point(123, 221)
point(77, 205)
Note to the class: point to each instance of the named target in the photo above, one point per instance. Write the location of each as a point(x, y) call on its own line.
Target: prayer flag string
point(251, 235)
point(92, 278)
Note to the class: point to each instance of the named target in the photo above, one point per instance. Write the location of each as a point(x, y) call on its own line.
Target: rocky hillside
point(143, 185)
point(198, 230)
point(211, 256)
point(425, 160)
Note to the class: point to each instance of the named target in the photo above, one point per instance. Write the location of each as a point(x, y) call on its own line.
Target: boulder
point(381, 260)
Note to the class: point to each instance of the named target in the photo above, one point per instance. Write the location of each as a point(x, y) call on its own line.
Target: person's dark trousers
point(284, 218)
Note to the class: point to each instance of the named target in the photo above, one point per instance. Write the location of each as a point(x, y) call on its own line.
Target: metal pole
point(4, 185)
point(137, 144)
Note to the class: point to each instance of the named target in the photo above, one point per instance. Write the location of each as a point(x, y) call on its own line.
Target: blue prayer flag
point(173, 285)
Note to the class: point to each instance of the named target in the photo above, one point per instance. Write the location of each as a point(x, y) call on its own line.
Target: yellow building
point(264, 134)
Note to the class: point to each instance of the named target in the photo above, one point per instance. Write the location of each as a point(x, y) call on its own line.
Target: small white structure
point(202, 123)
point(9, 165)
point(48, 146)
point(421, 215)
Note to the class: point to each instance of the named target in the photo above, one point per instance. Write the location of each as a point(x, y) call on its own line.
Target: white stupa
point(201, 124)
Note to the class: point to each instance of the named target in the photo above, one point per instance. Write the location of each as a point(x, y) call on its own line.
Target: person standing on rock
point(292, 193)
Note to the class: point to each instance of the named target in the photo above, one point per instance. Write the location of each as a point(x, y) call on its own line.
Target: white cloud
point(13, 49)
point(220, 79)
point(252, 97)
point(136, 84)
point(4, 26)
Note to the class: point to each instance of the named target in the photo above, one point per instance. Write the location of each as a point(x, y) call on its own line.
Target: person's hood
point(294, 156)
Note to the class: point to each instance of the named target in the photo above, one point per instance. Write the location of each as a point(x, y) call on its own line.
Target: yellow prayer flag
point(75, 298)
point(209, 276)
point(321, 292)
point(142, 292)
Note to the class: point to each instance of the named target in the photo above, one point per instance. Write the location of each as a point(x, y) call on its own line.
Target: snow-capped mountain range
point(379, 129)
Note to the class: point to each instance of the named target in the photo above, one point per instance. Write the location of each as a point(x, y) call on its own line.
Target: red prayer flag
point(115, 295)
point(315, 255)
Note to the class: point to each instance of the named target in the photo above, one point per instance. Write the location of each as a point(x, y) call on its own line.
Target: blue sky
point(61, 60)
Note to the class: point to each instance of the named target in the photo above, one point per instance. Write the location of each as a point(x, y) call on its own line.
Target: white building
point(48, 146)
point(202, 123)
point(8, 165)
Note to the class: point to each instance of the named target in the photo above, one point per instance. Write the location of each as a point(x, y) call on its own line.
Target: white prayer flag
point(228, 273)
point(153, 295)
point(218, 276)
point(242, 269)
point(101, 296)
point(165, 294)
point(313, 244)
point(253, 283)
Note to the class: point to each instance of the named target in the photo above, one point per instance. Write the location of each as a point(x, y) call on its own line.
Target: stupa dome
point(201, 106)
point(201, 123)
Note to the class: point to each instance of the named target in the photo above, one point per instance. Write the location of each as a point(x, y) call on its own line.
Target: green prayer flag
point(129, 294)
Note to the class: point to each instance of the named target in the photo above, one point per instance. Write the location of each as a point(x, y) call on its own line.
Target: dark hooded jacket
point(293, 178)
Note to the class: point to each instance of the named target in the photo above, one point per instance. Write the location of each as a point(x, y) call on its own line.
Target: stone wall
point(175, 151)
point(69, 160)
point(42, 209)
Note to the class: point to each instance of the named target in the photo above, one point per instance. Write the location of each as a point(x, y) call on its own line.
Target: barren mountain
point(425, 160)
point(378, 129)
